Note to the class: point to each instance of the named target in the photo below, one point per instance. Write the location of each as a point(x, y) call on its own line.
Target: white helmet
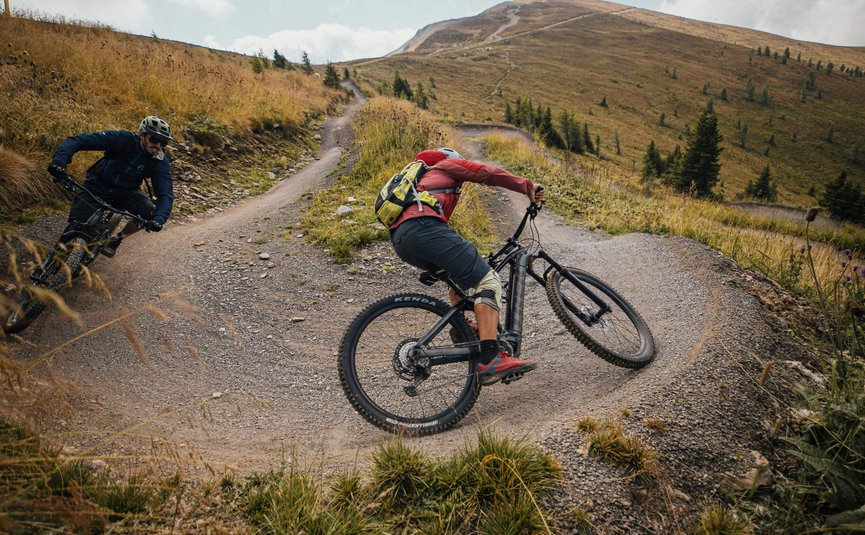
point(153, 125)
point(450, 153)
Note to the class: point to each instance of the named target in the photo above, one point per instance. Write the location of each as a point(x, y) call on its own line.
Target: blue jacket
point(124, 166)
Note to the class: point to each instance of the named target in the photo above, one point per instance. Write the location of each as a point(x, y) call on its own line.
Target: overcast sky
point(336, 30)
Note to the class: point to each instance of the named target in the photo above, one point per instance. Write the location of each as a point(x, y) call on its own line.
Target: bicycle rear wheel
point(620, 336)
point(376, 370)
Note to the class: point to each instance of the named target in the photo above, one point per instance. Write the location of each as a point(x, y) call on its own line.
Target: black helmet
point(153, 125)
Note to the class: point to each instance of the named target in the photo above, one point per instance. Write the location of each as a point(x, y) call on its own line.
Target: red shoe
point(504, 368)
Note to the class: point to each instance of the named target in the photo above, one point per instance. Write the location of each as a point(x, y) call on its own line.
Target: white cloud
point(210, 7)
point(210, 41)
point(129, 15)
point(327, 42)
point(837, 22)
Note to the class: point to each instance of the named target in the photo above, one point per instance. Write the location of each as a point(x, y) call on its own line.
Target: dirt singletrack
point(227, 353)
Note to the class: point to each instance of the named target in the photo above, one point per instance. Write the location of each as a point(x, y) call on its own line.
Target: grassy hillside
point(60, 79)
point(573, 54)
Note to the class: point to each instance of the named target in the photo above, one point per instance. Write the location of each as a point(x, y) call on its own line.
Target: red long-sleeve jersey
point(449, 175)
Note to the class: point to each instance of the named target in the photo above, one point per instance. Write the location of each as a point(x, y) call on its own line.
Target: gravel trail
point(228, 354)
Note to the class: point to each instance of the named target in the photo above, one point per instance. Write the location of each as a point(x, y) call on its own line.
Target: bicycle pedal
point(511, 377)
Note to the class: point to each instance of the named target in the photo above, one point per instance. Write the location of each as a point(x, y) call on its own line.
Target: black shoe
point(110, 247)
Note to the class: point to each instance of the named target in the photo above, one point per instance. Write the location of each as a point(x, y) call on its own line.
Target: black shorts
point(430, 244)
point(136, 202)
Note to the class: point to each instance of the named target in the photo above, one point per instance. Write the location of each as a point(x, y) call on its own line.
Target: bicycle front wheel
point(391, 389)
point(56, 272)
point(23, 312)
point(620, 336)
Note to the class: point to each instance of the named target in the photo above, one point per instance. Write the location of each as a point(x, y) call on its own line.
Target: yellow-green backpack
point(401, 191)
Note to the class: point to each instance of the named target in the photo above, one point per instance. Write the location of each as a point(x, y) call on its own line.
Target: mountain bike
point(407, 362)
point(78, 247)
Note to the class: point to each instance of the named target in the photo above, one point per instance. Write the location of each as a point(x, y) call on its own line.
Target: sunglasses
point(153, 140)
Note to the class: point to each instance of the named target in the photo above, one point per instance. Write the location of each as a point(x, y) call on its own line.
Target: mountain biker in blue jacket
point(129, 158)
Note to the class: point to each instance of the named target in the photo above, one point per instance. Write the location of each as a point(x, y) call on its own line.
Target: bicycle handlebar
point(69, 183)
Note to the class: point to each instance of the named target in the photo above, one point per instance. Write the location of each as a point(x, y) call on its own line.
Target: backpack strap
point(449, 190)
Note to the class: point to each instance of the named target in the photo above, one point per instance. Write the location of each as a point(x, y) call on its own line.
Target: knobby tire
point(373, 377)
point(621, 337)
point(28, 307)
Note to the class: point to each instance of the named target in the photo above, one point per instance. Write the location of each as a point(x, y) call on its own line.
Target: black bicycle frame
point(89, 231)
point(521, 259)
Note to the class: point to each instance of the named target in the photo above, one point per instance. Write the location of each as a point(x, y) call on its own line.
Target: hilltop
point(656, 73)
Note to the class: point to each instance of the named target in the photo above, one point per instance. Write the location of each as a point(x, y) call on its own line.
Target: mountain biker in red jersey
point(129, 158)
point(422, 237)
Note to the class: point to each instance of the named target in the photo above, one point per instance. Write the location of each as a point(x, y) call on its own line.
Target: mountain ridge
point(656, 79)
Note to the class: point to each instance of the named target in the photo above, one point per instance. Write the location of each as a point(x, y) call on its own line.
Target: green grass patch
point(388, 135)
point(494, 485)
point(39, 490)
point(625, 449)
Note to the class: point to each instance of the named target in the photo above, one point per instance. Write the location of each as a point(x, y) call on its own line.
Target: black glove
point(58, 172)
point(152, 226)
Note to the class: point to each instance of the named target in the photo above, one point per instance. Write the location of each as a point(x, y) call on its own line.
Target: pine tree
point(401, 87)
point(764, 188)
point(662, 118)
point(279, 61)
point(570, 129)
point(509, 113)
point(710, 105)
point(652, 165)
point(764, 96)
point(830, 133)
point(331, 77)
point(257, 66)
point(548, 133)
point(843, 200)
point(723, 95)
point(345, 74)
point(771, 140)
point(743, 136)
point(617, 144)
point(587, 139)
point(604, 102)
point(306, 66)
point(856, 152)
point(700, 164)
point(672, 164)
point(420, 97)
point(749, 91)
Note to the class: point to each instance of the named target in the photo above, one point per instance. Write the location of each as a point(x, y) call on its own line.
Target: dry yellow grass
point(20, 184)
point(595, 194)
point(59, 79)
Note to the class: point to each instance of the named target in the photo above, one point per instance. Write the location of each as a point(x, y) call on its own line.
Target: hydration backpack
point(401, 191)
